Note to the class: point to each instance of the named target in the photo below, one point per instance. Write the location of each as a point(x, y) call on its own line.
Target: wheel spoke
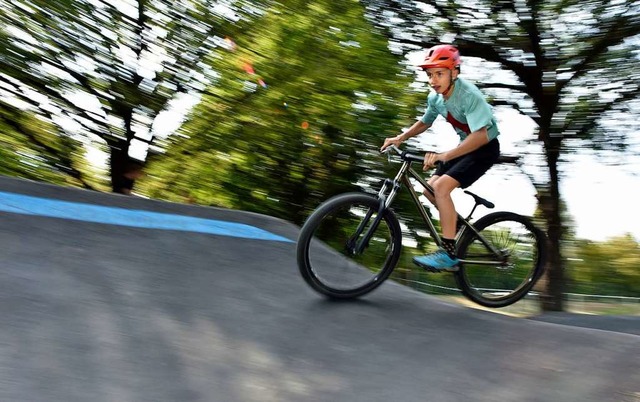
point(345, 250)
point(499, 279)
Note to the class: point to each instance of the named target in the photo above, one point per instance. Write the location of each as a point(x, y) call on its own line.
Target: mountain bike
point(352, 242)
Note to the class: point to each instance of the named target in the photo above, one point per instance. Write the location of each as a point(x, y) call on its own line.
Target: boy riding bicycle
point(463, 105)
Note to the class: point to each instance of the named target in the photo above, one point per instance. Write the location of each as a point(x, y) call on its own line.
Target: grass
point(601, 308)
point(530, 306)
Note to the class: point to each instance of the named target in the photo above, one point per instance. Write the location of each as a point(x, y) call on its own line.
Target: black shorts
point(468, 168)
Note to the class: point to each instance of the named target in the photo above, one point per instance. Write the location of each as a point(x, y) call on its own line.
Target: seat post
point(473, 210)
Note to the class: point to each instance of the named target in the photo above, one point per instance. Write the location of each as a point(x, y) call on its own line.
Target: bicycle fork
point(355, 247)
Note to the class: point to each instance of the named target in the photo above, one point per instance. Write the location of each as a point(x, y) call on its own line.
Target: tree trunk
point(117, 166)
point(549, 199)
point(123, 170)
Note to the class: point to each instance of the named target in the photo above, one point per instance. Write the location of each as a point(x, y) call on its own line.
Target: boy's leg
point(427, 194)
point(448, 216)
point(432, 199)
point(443, 259)
point(460, 172)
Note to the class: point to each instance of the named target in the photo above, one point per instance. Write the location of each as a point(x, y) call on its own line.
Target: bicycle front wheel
point(501, 262)
point(346, 248)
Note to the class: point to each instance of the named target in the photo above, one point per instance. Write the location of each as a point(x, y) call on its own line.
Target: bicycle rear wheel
point(335, 258)
point(504, 275)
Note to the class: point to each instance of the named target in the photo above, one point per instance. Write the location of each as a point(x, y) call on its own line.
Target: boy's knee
point(437, 188)
point(441, 190)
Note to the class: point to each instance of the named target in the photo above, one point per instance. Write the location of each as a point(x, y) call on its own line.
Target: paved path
point(97, 311)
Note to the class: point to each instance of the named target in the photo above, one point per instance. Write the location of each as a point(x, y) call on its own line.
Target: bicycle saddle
point(480, 200)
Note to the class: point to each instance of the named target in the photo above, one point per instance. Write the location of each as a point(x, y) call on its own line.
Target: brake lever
point(388, 150)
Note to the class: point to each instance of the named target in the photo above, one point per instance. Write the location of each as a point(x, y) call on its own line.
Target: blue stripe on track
point(28, 205)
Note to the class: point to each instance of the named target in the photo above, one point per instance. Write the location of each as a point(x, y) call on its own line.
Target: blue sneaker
point(437, 262)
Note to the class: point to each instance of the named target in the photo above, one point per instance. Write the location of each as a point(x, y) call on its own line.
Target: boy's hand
point(430, 160)
point(397, 140)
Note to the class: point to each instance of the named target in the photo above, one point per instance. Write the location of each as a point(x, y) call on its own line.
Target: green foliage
point(330, 95)
point(108, 69)
point(605, 268)
point(32, 148)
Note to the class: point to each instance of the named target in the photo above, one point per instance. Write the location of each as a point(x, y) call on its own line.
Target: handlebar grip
point(418, 158)
point(405, 155)
point(413, 157)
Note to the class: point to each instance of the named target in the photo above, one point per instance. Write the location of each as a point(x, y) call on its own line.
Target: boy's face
point(440, 78)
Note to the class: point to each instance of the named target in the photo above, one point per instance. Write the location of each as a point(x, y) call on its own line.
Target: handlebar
point(404, 155)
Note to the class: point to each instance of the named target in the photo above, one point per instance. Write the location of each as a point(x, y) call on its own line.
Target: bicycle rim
point(498, 281)
point(332, 263)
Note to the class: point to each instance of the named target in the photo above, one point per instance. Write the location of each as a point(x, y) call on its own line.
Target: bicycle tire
point(524, 247)
point(324, 257)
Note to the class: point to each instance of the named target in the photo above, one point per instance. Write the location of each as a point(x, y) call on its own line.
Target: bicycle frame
point(387, 194)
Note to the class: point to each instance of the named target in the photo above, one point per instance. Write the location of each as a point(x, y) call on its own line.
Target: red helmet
point(442, 56)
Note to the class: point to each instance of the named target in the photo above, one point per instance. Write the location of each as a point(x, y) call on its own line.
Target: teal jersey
point(466, 110)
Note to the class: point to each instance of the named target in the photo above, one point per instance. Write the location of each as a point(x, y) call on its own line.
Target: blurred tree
point(606, 268)
point(107, 68)
point(572, 66)
point(298, 103)
point(31, 148)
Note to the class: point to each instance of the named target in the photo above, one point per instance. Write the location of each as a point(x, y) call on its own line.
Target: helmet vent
point(442, 56)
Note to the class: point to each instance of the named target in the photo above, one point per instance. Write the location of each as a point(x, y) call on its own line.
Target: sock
point(449, 246)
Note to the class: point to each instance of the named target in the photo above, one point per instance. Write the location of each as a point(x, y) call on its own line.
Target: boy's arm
point(417, 128)
point(473, 141)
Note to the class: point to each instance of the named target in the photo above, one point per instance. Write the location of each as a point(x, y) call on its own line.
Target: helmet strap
point(451, 84)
